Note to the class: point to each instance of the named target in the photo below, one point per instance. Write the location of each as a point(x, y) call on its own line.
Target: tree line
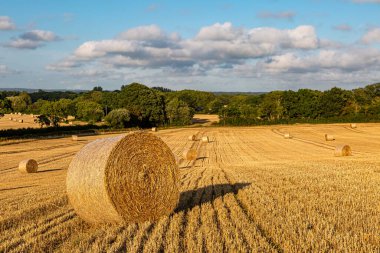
point(138, 105)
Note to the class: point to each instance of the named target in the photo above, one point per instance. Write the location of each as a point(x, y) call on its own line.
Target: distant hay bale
point(205, 139)
point(10, 118)
point(70, 122)
point(21, 121)
point(191, 137)
point(329, 137)
point(28, 166)
point(154, 129)
point(343, 150)
point(287, 136)
point(74, 137)
point(190, 154)
point(353, 125)
point(130, 178)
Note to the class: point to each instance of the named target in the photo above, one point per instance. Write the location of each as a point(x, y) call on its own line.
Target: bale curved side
point(191, 137)
point(190, 154)
point(329, 137)
point(205, 139)
point(28, 166)
point(130, 178)
point(342, 150)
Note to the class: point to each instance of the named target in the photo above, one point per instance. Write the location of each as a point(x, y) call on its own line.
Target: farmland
point(249, 190)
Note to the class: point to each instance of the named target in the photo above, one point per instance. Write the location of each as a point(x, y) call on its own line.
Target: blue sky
point(208, 45)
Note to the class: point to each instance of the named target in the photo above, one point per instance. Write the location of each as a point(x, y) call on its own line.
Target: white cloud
point(343, 28)
point(372, 36)
point(33, 39)
point(6, 23)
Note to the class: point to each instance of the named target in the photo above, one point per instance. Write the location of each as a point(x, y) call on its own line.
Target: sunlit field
point(249, 190)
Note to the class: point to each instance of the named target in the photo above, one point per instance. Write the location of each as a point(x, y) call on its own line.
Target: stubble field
point(250, 190)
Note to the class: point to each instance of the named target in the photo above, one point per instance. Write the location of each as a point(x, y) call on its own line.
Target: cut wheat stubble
point(130, 178)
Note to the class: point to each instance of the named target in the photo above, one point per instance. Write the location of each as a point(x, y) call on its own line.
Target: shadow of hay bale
point(186, 199)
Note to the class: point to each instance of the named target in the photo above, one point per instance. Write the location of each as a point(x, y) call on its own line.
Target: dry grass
point(250, 190)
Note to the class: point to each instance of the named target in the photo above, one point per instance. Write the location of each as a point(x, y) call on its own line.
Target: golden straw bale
point(287, 136)
point(205, 139)
point(191, 137)
point(329, 137)
point(154, 129)
point(353, 125)
point(74, 137)
point(28, 166)
point(10, 118)
point(21, 121)
point(130, 178)
point(343, 150)
point(190, 154)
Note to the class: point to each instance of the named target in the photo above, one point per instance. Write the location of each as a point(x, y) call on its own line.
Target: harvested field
point(249, 190)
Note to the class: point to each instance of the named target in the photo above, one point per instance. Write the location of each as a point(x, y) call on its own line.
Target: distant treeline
point(141, 106)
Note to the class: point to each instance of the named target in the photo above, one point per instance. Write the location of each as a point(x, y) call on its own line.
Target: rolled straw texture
point(130, 178)
point(28, 166)
point(343, 150)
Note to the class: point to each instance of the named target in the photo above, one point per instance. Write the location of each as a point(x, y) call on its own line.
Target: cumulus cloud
point(372, 36)
point(33, 39)
point(6, 23)
point(222, 50)
point(288, 15)
point(343, 28)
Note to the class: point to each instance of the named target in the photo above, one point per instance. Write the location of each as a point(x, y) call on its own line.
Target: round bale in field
point(74, 137)
point(343, 150)
point(28, 166)
point(154, 129)
point(127, 178)
point(353, 125)
point(191, 137)
point(21, 121)
point(205, 139)
point(287, 136)
point(329, 137)
point(190, 154)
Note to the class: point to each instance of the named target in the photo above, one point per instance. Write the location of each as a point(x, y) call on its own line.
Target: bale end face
point(28, 166)
point(74, 137)
point(191, 137)
point(329, 137)
point(190, 154)
point(353, 125)
point(343, 150)
point(127, 178)
point(287, 136)
point(154, 129)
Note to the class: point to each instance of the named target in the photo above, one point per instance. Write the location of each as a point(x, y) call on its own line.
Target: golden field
point(250, 190)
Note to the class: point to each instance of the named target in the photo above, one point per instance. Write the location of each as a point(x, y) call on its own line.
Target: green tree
point(336, 102)
point(179, 113)
point(118, 118)
point(146, 105)
point(89, 111)
point(271, 107)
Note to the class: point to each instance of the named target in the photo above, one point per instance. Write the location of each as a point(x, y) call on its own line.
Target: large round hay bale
point(70, 122)
point(191, 137)
point(353, 125)
point(190, 154)
point(131, 178)
point(154, 129)
point(28, 166)
point(10, 118)
point(287, 136)
point(21, 121)
point(205, 139)
point(74, 137)
point(329, 137)
point(343, 150)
